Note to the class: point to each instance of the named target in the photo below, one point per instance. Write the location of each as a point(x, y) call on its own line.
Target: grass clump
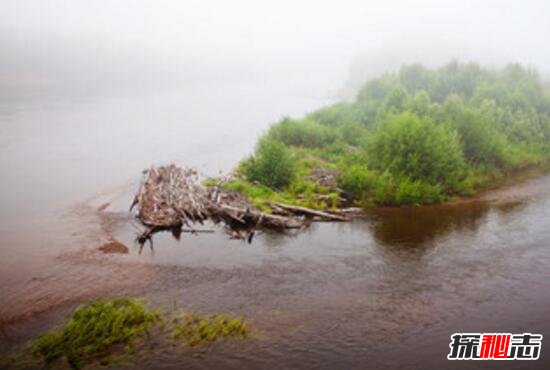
point(94, 329)
point(195, 329)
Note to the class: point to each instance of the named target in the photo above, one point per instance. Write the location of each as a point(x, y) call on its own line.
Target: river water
point(383, 292)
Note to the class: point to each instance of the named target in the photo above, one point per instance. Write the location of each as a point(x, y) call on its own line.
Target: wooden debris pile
point(171, 197)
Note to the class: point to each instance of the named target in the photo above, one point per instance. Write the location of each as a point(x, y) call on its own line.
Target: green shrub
point(272, 165)
point(481, 140)
point(385, 190)
point(353, 133)
point(417, 192)
point(420, 104)
point(395, 101)
point(336, 115)
point(303, 133)
point(400, 190)
point(419, 149)
point(358, 180)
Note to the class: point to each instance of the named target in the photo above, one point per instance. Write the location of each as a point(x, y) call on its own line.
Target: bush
point(353, 133)
point(400, 190)
point(303, 133)
point(418, 149)
point(417, 192)
point(272, 165)
point(480, 138)
point(336, 115)
point(357, 180)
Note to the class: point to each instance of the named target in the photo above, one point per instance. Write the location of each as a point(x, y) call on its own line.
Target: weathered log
point(311, 212)
point(265, 219)
point(351, 211)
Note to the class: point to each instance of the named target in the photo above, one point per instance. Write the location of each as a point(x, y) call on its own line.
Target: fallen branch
point(311, 212)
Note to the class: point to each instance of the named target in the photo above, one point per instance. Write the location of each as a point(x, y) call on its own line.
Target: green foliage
point(195, 329)
point(480, 138)
point(301, 191)
point(272, 165)
point(304, 133)
point(94, 329)
point(358, 180)
point(420, 104)
point(98, 331)
point(418, 149)
point(372, 95)
point(396, 101)
point(413, 137)
point(390, 190)
point(337, 114)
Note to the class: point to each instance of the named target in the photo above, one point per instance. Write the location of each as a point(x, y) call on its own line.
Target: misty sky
point(47, 42)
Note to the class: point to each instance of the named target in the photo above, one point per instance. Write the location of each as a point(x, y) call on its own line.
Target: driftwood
point(311, 212)
point(171, 197)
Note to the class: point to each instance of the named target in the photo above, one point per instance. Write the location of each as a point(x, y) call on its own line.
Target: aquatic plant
point(106, 331)
point(93, 329)
point(194, 329)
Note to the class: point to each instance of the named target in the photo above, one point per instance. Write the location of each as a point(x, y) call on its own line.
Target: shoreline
point(510, 180)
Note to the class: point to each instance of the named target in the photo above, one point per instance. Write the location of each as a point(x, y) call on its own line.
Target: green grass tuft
point(94, 329)
point(195, 329)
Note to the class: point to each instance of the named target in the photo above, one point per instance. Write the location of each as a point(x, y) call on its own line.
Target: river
point(384, 292)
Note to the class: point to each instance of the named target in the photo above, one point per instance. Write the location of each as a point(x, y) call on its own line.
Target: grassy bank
point(418, 136)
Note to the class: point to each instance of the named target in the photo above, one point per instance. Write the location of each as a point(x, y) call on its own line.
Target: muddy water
point(384, 292)
point(62, 158)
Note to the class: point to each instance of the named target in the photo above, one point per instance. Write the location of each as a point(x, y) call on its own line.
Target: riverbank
point(329, 198)
point(415, 137)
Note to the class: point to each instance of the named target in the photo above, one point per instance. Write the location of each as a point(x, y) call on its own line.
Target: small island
point(415, 137)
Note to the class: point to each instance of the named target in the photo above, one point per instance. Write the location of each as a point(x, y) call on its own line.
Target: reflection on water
point(417, 227)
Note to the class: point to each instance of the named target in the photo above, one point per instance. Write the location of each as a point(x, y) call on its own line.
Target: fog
point(94, 92)
point(69, 47)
